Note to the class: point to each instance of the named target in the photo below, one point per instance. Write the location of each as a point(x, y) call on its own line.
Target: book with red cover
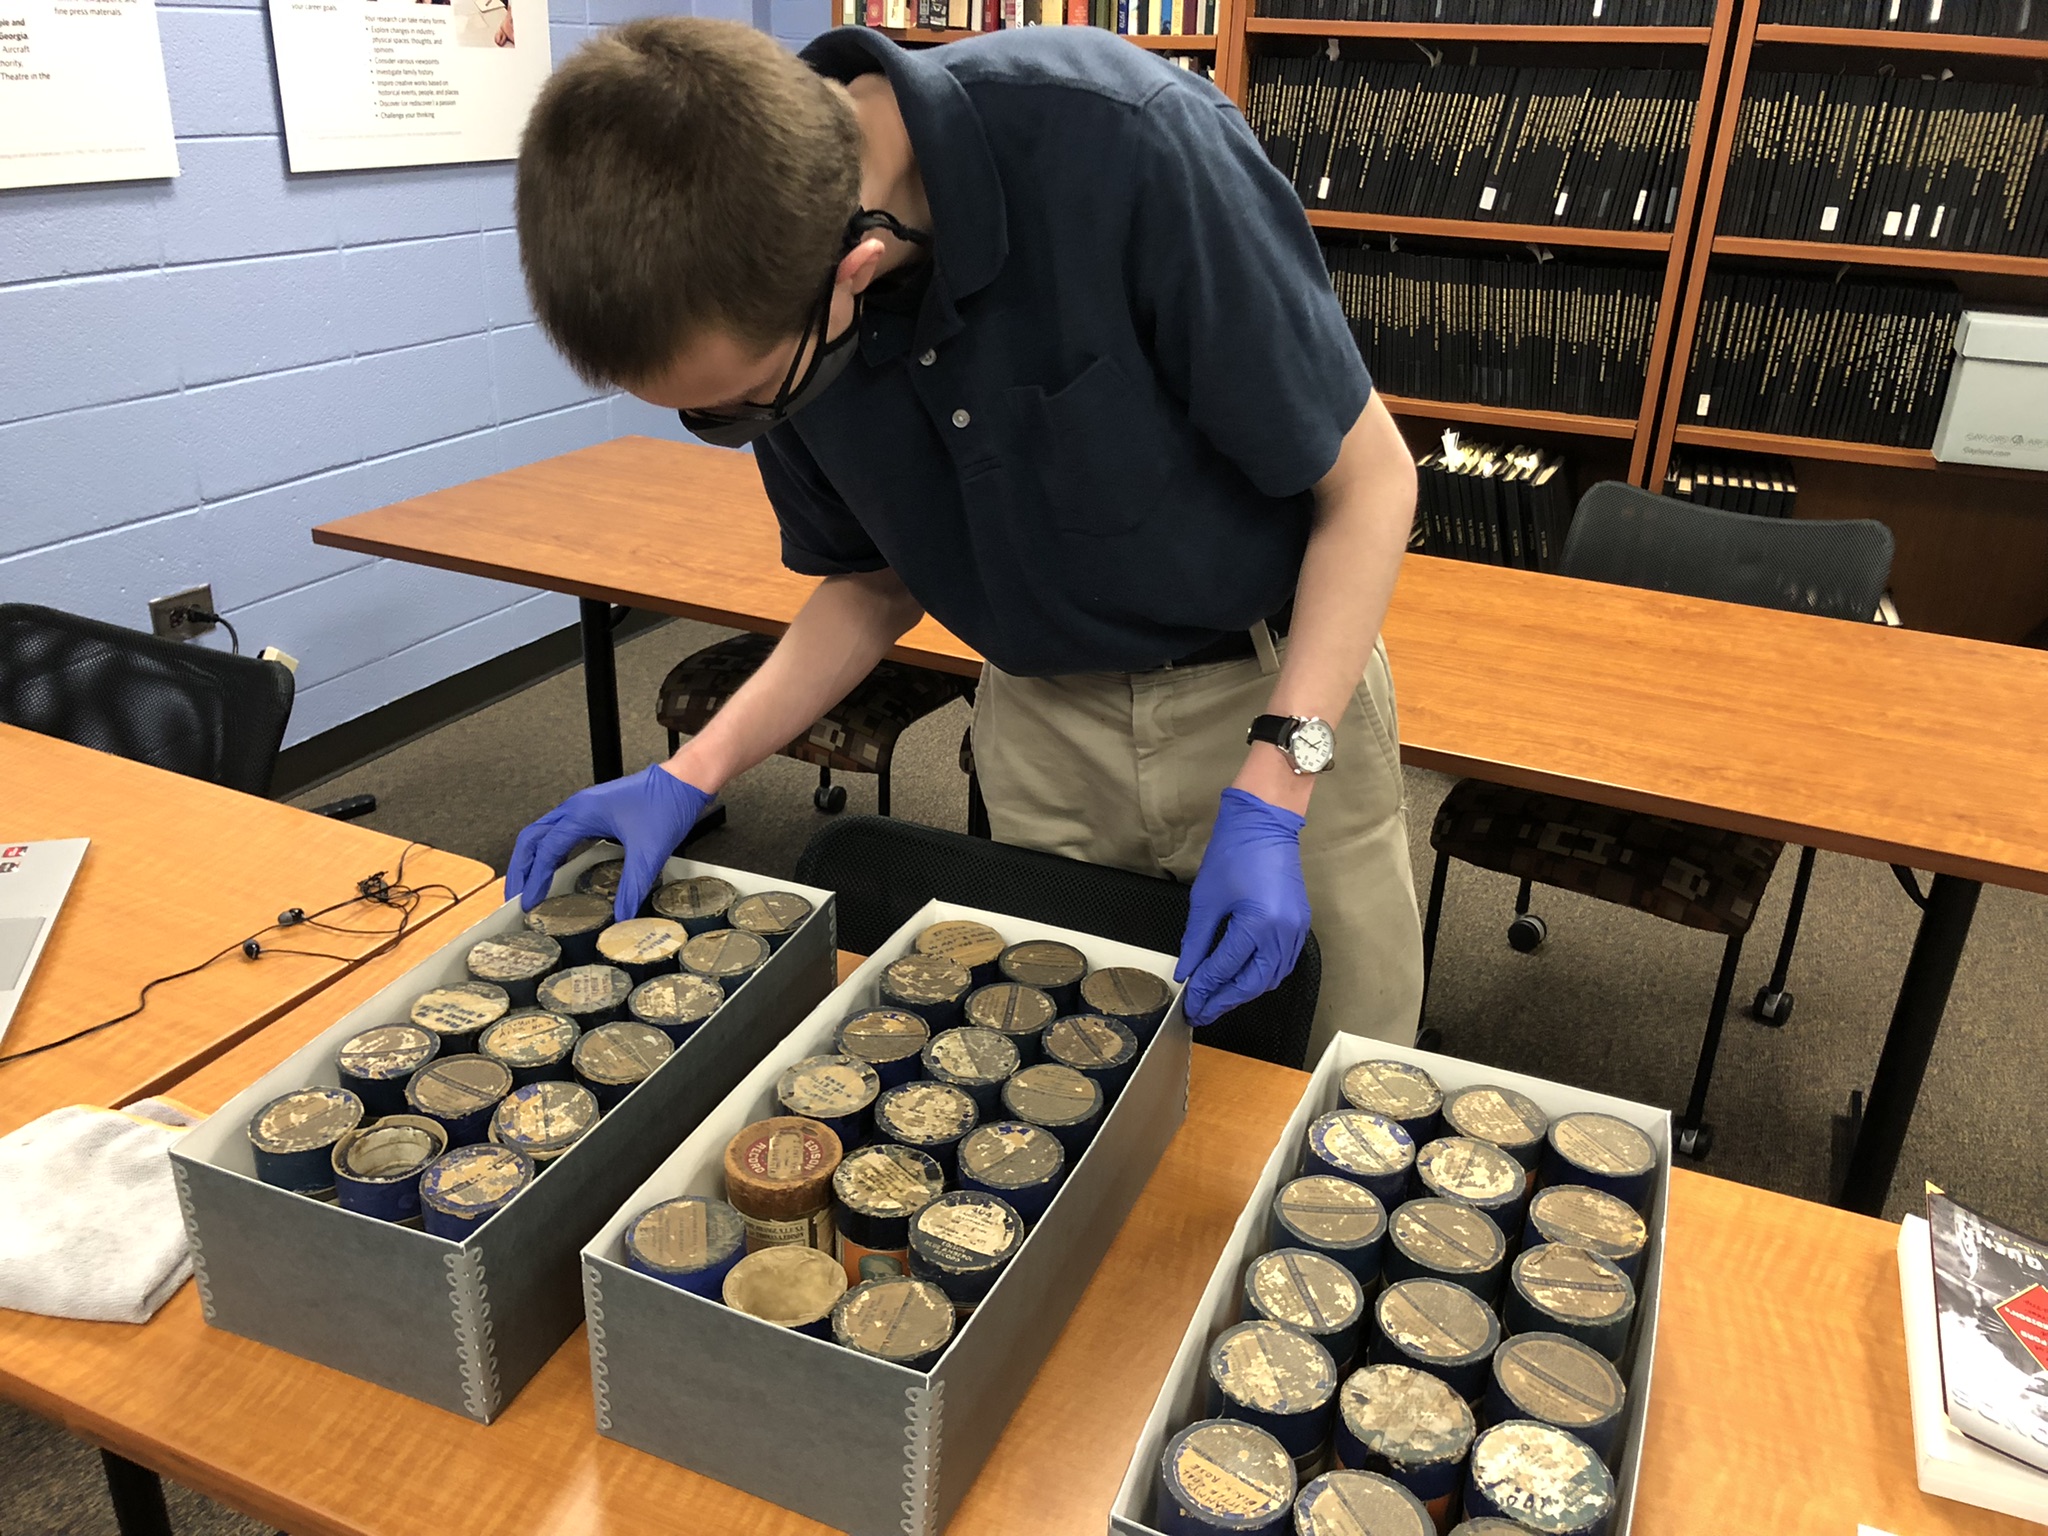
point(1991, 1316)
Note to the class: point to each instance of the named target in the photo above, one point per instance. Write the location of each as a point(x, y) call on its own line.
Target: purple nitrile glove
point(646, 813)
point(1250, 879)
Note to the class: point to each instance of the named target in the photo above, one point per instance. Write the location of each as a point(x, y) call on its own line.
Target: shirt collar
point(970, 235)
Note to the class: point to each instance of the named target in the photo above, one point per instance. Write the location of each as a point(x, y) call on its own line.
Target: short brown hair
point(679, 174)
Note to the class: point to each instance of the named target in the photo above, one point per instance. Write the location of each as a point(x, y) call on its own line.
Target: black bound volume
point(1582, 148)
point(1507, 13)
point(1973, 18)
point(1735, 482)
point(1888, 160)
point(1848, 362)
point(1499, 506)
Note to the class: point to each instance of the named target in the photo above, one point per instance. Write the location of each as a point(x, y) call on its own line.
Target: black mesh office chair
point(884, 870)
point(1699, 876)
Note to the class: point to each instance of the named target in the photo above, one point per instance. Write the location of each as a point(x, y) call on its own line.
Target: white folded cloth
point(89, 1219)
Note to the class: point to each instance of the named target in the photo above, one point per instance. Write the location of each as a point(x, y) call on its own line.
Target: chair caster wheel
point(829, 798)
point(1773, 1008)
point(1527, 933)
point(1429, 1039)
point(1695, 1141)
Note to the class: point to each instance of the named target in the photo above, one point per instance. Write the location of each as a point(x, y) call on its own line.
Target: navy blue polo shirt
point(1090, 445)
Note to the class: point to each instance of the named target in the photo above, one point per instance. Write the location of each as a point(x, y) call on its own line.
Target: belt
point(1236, 644)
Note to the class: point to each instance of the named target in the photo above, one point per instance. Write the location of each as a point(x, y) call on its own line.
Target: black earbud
point(291, 915)
point(251, 948)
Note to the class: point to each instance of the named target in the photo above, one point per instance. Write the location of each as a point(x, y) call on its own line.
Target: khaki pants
point(1125, 769)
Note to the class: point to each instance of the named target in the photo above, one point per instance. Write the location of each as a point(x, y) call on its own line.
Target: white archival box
point(34, 880)
point(1997, 406)
point(1183, 1397)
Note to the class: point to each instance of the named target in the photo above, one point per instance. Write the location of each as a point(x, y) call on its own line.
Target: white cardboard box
point(1183, 1397)
point(1997, 406)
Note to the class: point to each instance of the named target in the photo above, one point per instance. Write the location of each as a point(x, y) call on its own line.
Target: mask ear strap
point(867, 220)
point(819, 323)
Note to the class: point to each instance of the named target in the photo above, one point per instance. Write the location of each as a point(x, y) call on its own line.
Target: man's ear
point(857, 268)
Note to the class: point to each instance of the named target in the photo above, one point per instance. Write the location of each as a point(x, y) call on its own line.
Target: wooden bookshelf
point(1807, 447)
point(1907, 42)
point(1166, 43)
point(1552, 423)
point(1478, 32)
point(1911, 257)
point(1480, 229)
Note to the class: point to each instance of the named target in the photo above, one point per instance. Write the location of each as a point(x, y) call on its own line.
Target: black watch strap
point(1273, 728)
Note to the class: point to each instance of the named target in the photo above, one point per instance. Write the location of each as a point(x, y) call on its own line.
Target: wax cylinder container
point(770, 915)
point(515, 961)
point(676, 1004)
point(1278, 1378)
point(1366, 1148)
point(574, 922)
point(929, 1117)
point(459, 1012)
point(1023, 1164)
point(1308, 1291)
point(294, 1137)
point(726, 956)
point(544, 1120)
point(535, 1045)
point(1559, 1288)
point(933, 989)
point(1560, 1382)
point(1512, 1121)
point(1100, 1049)
point(614, 1059)
point(1054, 968)
point(904, 1321)
point(1489, 1525)
point(1409, 1426)
point(1474, 1173)
point(1540, 1477)
point(375, 1064)
point(588, 995)
point(875, 1192)
point(1589, 1218)
point(1019, 1013)
point(1059, 1099)
point(976, 1061)
point(699, 902)
point(887, 1039)
point(689, 1242)
point(1602, 1152)
point(463, 1189)
point(1360, 1504)
point(836, 1091)
point(1402, 1092)
point(961, 1242)
point(1438, 1327)
point(1222, 1477)
point(1136, 999)
point(974, 947)
point(642, 947)
point(1336, 1218)
point(792, 1287)
point(1443, 1240)
point(377, 1167)
point(602, 879)
point(778, 1176)
point(459, 1093)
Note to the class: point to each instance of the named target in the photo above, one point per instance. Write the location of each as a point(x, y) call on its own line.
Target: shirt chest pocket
point(1096, 449)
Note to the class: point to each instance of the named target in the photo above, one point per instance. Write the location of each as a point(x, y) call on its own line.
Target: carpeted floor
point(1614, 1000)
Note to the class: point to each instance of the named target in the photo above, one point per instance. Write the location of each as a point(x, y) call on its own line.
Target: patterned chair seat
point(1683, 873)
point(857, 735)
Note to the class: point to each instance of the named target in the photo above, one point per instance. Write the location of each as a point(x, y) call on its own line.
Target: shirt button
point(961, 418)
point(927, 357)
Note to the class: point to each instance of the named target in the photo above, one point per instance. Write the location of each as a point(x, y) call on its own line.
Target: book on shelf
point(1975, 18)
point(1507, 13)
point(1887, 160)
point(1533, 335)
point(1991, 1319)
point(1576, 148)
point(1142, 18)
point(1498, 506)
point(1842, 361)
point(1756, 484)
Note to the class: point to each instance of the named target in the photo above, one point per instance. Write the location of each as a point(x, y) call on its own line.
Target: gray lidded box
point(463, 1325)
point(1183, 1397)
point(858, 1443)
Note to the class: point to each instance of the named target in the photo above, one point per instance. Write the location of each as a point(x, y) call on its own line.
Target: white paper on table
point(34, 880)
point(82, 93)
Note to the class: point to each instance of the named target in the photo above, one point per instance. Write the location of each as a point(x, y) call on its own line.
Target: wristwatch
point(1310, 744)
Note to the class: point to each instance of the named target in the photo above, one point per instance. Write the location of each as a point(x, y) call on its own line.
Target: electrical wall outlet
point(166, 619)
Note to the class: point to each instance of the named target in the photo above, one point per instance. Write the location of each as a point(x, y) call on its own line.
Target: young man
point(1027, 334)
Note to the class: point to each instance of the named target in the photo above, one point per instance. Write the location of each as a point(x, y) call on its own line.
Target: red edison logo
point(10, 858)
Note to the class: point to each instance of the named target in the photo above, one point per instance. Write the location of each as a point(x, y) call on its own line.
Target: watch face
point(1314, 746)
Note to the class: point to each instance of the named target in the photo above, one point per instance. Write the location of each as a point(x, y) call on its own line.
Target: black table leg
point(138, 1496)
point(601, 691)
point(1923, 995)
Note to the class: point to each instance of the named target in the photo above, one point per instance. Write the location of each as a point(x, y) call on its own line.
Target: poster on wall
point(82, 93)
point(406, 82)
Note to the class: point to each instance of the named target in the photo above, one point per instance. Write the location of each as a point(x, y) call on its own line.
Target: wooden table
point(178, 870)
point(1915, 749)
point(1780, 1400)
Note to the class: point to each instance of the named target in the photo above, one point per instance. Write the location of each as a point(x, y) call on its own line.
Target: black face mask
point(739, 426)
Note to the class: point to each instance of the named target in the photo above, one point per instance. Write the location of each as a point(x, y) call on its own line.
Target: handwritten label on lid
point(828, 1086)
point(514, 957)
point(1233, 1469)
point(677, 998)
point(966, 944)
point(1541, 1476)
point(585, 989)
point(641, 940)
point(461, 1009)
point(966, 1231)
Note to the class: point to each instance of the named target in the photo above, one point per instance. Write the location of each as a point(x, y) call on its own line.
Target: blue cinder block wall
point(195, 372)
